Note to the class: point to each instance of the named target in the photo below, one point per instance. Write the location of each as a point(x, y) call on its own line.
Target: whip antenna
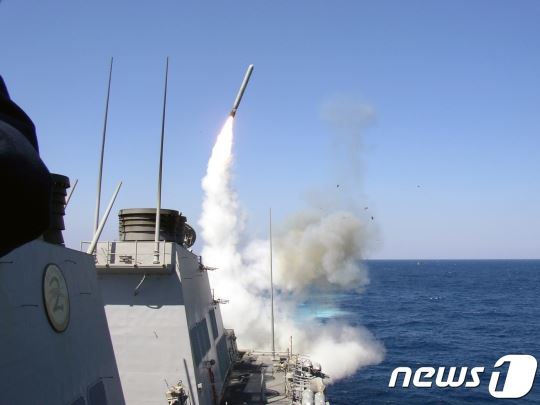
point(160, 175)
point(71, 192)
point(272, 289)
point(97, 234)
point(100, 173)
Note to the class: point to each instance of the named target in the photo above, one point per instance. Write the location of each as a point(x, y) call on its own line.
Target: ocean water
point(441, 313)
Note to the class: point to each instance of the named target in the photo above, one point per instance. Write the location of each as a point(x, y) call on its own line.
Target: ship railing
point(300, 379)
point(129, 254)
point(270, 353)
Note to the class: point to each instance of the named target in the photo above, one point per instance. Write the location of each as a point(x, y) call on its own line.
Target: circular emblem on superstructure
point(56, 297)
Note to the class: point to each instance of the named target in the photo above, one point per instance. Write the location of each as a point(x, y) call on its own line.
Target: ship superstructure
point(166, 326)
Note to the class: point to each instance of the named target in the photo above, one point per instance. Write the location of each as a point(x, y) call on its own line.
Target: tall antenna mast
point(100, 174)
point(272, 289)
point(160, 175)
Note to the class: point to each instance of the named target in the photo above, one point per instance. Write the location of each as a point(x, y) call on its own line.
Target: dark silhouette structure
point(25, 181)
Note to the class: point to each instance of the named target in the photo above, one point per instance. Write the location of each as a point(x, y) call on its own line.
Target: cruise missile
point(241, 91)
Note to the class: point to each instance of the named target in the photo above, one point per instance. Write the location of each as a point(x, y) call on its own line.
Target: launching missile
point(241, 91)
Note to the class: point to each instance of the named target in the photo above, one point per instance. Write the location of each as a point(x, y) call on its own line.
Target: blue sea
point(442, 313)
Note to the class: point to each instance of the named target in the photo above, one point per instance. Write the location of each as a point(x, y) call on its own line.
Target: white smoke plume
point(315, 250)
point(310, 250)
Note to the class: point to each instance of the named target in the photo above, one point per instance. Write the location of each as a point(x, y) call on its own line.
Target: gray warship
point(128, 321)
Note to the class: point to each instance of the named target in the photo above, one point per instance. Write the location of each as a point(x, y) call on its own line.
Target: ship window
point(200, 341)
point(223, 356)
point(213, 323)
point(205, 338)
point(96, 394)
point(195, 345)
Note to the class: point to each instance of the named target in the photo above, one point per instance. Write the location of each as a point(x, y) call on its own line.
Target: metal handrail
point(110, 257)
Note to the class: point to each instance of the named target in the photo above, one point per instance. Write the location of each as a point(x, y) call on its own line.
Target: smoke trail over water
point(311, 250)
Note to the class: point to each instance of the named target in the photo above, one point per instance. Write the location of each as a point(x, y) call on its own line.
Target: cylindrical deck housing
point(140, 224)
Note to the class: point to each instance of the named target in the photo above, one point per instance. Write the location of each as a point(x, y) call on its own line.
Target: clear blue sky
point(455, 86)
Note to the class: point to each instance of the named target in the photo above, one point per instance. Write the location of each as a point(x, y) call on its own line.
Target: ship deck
point(256, 379)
